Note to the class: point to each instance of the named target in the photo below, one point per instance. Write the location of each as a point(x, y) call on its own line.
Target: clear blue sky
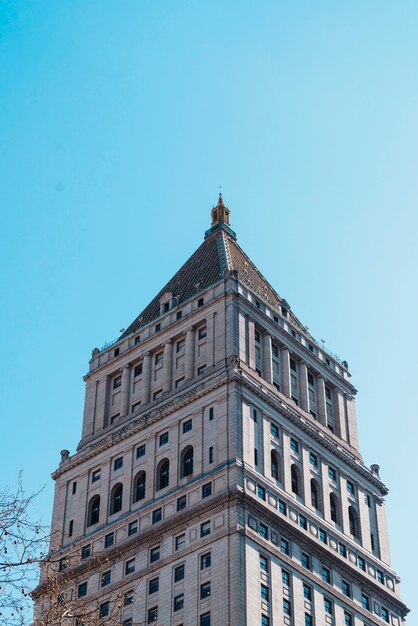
point(118, 123)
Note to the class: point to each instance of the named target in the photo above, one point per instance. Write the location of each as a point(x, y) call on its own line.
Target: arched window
point(116, 499)
point(163, 474)
point(93, 511)
point(315, 499)
point(275, 465)
point(333, 506)
point(295, 479)
point(353, 521)
point(139, 487)
point(186, 467)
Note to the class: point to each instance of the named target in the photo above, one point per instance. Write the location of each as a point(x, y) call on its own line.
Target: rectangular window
point(130, 566)
point(86, 551)
point(205, 560)
point(211, 454)
point(62, 564)
point(104, 609)
point(205, 529)
point(264, 564)
point(206, 490)
point(138, 370)
point(294, 446)
point(159, 358)
point(205, 619)
point(179, 573)
point(200, 302)
point(255, 456)
point(307, 592)
point(117, 463)
point(157, 394)
point(313, 459)
point(265, 621)
point(201, 369)
point(181, 503)
point(95, 476)
point(157, 327)
point(264, 593)
point(332, 474)
point(179, 382)
point(287, 607)
point(380, 577)
point(282, 507)
point(140, 451)
point(263, 531)
point(303, 522)
point(348, 621)
point(346, 589)
point(187, 426)
point(128, 598)
point(137, 339)
point(157, 515)
point(326, 575)
point(343, 550)
point(274, 429)
point(116, 352)
point(284, 546)
point(105, 578)
point(305, 560)
point(204, 590)
point(308, 620)
point(179, 315)
point(117, 382)
point(127, 622)
point(154, 554)
point(135, 407)
point(178, 602)
point(163, 439)
point(361, 563)
point(180, 345)
point(74, 489)
point(82, 590)
point(328, 606)
point(114, 418)
point(152, 614)
point(350, 487)
point(70, 528)
point(310, 380)
point(211, 413)
point(202, 332)
point(109, 540)
point(323, 536)
point(365, 602)
point(153, 585)
point(384, 613)
point(285, 578)
point(132, 528)
point(261, 492)
point(180, 541)
point(292, 365)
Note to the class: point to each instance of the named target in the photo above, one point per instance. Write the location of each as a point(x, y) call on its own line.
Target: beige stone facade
point(218, 470)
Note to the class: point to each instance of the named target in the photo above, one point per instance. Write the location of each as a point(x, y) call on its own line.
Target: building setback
point(218, 479)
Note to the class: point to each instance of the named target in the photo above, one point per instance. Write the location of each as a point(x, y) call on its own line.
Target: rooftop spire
point(220, 213)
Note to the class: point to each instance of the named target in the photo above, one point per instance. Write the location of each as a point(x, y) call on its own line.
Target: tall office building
point(218, 480)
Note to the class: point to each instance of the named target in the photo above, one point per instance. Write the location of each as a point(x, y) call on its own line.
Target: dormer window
point(166, 302)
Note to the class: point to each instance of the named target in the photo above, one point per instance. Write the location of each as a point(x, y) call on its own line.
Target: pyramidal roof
point(218, 254)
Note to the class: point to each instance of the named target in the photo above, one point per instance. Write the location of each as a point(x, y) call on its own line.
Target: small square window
point(138, 370)
point(163, 439)
point(82, 590)
point(153, 585)
point(179, 573)
point(95, 476)
point(117, 463)
point(157, 515)
point(157, 394)
point(109, 540)
point(104, 609)
point(187, 426)
point(128, 598)
point(179, 315)
point(205, 529)
point(179, 382)
point(205, 560)
point(86, 551)
point(132, 528)
point(154, 554)
point(205, 619)
point(201, 369)
point(117, 382)
point(137, 340)
point(140, 451)
point(114, 418)
point(180, 541)
point(178, 602)
point(136, 406)
point(200, 302)
point(181, 503)
point(105, 578)
point(204, 590)
point(130, 566)
point(294, 446)
point(206, 490)
point(152, 614)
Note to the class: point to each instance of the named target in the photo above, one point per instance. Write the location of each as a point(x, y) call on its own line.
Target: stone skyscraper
point(218, 480)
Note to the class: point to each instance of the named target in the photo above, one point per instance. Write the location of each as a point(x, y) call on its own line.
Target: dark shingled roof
point(217, 254)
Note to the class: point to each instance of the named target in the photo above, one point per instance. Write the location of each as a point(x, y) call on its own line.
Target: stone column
point(251, 344)
point(146, 379)
point(320, 400)
point(303, 383)
point(285, 363)
point(189, 354)
point(168, 365)
point(268, 364)
point(124, 391)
